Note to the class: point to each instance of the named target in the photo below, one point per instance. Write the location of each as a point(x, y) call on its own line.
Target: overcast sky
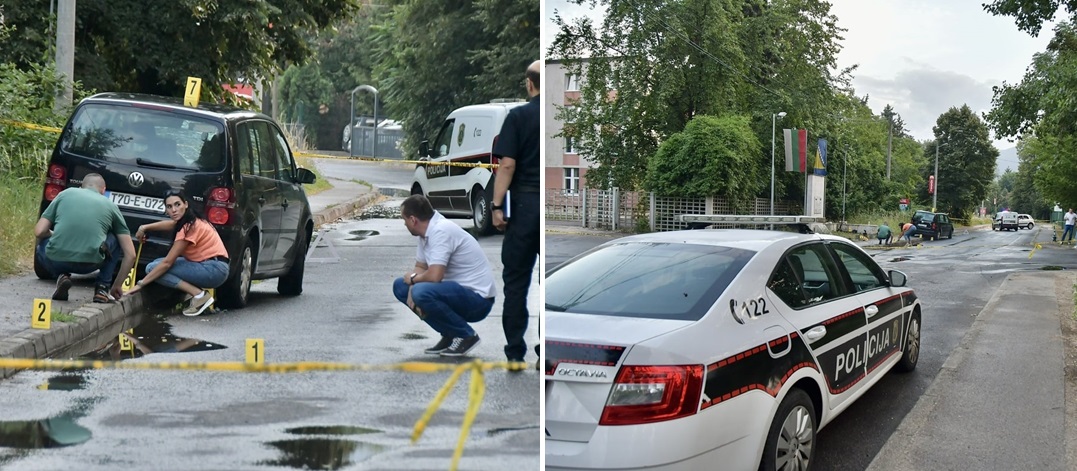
point(917, 55)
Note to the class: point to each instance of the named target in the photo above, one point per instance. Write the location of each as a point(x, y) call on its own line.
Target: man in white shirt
point(452, 283)
point(1071, 218)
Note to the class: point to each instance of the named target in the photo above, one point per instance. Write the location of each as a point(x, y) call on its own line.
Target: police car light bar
point(748, 219)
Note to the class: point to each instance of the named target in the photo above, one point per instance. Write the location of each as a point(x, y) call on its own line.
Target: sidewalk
point(96, 323)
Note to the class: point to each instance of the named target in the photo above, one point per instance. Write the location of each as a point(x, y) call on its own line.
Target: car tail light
point(645, 394)
point(55, 181)
point(221, 203)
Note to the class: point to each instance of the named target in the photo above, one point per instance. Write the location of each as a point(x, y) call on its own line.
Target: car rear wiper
point(554, 307)
point(150, 163)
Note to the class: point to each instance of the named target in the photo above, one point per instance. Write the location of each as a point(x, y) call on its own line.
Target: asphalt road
point(954, 280)
point(153, 419)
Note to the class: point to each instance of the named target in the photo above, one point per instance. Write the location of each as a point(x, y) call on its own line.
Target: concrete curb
point(99, 323)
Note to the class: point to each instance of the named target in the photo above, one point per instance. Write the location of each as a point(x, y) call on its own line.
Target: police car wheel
point(791, 440)
point(911, 354)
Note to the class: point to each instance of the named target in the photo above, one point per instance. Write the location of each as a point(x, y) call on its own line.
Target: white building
point(566, 170)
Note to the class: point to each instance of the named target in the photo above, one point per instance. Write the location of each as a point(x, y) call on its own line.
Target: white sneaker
point(198, 305)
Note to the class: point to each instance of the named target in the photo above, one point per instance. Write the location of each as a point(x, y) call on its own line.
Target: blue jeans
point(205, 274)
point(1068, 230)
point(108, 267)
point(447, 306)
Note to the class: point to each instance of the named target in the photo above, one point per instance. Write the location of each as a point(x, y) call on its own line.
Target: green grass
point(61, 316)
point(320, 183)
point(361, 182)
point(19, 200)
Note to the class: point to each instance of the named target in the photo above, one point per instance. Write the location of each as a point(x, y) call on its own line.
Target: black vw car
point(235, 166)
point(933, 225)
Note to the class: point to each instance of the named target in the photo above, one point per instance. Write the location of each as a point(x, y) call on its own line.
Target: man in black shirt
point(518, 176)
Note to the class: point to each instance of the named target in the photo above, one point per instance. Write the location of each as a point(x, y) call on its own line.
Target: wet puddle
point(53, 432)
point(153, 335)
point(361, 235)
point(411, 336)
point(901, 259)
point(321, 452)
point(1053, 267)
point(68, 380)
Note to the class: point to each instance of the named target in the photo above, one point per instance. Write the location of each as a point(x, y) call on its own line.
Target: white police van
point(466, 137)
point(715, 349)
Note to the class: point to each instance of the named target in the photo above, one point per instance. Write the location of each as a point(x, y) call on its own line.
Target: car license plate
point(145, 203)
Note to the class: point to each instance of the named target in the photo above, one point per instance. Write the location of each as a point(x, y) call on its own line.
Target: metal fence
point(389, 140)
point(637, 211)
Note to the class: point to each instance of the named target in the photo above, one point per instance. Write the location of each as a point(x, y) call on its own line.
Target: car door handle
point(871, 310)
point(815, 333)
point(261, 200)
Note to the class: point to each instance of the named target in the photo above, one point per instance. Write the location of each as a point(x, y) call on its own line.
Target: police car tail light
point(645, 394)
point(220, 205)
point(55, 181)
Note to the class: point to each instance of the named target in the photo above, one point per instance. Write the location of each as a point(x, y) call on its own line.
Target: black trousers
point(519, 251)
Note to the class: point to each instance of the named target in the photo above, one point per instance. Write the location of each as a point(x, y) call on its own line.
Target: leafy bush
point(712, 157)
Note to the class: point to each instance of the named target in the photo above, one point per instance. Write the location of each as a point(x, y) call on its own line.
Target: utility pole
point(65, 52)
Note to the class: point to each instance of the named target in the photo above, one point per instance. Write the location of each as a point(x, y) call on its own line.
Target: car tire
point(291, 283)
point(416, 189)
point(911, 353)
point(791, 437)
point(40, 270)
point(480, 209)
point(1030, 226)
point(234, 293)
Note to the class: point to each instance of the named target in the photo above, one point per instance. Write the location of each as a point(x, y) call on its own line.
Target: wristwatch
point(497, 207)
point(412, 278)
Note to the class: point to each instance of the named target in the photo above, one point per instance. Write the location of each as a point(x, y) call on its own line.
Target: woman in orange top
point(196, 260)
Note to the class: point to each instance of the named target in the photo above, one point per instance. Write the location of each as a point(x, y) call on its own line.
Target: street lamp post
point(773, 122)
point(935, 194)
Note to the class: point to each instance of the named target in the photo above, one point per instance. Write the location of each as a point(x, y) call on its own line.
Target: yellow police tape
point(36, 127)
point(395, 161)
point(476, 389)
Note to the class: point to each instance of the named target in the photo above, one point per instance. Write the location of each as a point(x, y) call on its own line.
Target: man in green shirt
point(82, 231)
point(885, 235)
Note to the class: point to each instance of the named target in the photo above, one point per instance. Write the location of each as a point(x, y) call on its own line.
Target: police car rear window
point(144, 136)
point(649, 280)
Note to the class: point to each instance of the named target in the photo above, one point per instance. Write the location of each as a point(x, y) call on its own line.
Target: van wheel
point(291, 284)
point(416, 189)
point(480, 209)
point(234, 292)
point(40, 270)
point(791, 440)
point(911, 354)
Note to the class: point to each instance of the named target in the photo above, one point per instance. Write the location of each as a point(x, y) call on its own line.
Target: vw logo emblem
point(136, 179)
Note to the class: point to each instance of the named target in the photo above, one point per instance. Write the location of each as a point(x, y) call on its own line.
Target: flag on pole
point(796, 146)
point(820, 159)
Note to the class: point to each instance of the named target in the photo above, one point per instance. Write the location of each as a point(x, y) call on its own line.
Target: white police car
point(715, 349)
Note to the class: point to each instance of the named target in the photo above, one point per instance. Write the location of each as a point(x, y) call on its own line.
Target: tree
point(152, 47)
point(1030, 14)
point(895, 122)
point(433, 57)
point(712, 156)
point(655, 65)
point(966, 161)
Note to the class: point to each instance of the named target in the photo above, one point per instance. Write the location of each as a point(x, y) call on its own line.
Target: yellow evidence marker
point(41, 315)
point(256, 351)
point(193, 93)
point(125, 342)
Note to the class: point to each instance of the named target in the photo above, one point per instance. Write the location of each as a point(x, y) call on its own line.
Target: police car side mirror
point(897, 278)
point(304, 176)
point(424, 149)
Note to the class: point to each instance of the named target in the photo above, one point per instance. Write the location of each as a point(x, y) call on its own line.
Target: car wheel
point(234, 292)
point(911, 354)
point(1030, 226)
point(40, 270)
point(416, 189)
point(291, 284)
point(791, 440)
point(480, 209)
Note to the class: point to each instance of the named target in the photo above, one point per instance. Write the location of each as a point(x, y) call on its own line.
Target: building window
point(572, 181)
point(572, 83)
point(569, 114)
point(570, 145)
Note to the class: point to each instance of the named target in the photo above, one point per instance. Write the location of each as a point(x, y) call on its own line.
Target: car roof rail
point(801, 224)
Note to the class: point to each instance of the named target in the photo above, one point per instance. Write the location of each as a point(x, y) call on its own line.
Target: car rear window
point(145, 136)
point(650, 280)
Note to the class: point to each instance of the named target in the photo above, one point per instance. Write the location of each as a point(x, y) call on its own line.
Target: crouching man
point(451, 285)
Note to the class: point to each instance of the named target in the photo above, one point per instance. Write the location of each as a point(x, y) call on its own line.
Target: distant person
point(82, 231)
point(1070, 218)
point(517, 184)
point(452, 283)
point(908, 230)
point(884, 234)
point(197, 260)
